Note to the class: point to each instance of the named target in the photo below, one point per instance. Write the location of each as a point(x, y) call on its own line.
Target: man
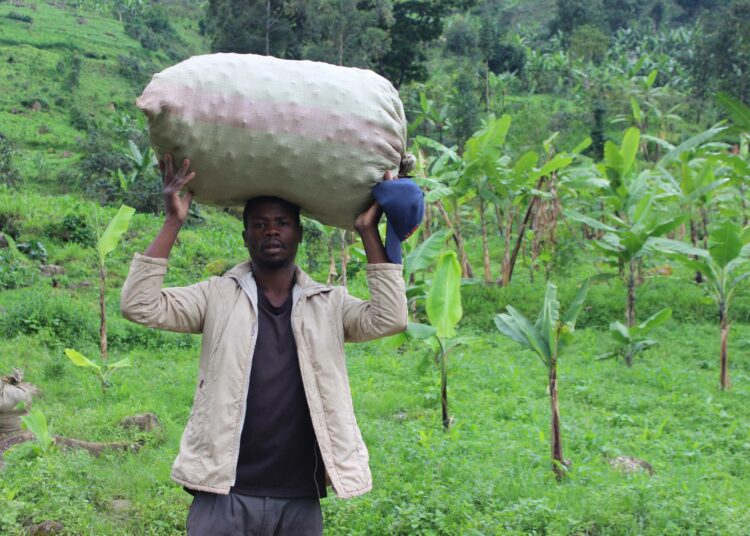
point(272, 416)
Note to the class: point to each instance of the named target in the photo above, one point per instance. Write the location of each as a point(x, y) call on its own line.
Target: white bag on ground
point(13, 391)
point(317, 135)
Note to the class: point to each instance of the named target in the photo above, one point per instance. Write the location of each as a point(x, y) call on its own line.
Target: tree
point(632, 341)
point(635, 224)
point(444, 312)
point(725, 266)
point(547, 338)
point(267, 27)
point(416, 24)
point(106, 243)
point(8, 172)
point(722, 53)
point(348, 32)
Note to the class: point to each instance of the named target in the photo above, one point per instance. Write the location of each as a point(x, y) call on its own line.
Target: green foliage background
point(69, 75)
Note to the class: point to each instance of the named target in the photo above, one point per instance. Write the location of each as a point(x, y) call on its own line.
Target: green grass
point(35, 64)
point(490, 474)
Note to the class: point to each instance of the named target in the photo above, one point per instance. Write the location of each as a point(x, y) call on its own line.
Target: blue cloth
point(403, 204)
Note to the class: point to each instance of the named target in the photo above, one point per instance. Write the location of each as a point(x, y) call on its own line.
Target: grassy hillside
point(65, 70)
point(489, 475)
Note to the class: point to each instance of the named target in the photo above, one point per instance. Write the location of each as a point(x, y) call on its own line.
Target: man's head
point(272, 231)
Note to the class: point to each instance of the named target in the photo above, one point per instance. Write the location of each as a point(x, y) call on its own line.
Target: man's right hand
point(176, 208)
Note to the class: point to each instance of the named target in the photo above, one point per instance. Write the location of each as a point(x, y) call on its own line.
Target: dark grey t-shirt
point(279, 455)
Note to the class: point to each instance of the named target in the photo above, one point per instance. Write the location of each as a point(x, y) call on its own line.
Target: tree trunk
point(344, 255)
point(444, 389)
point(557, 451)
point(694, 241)
point(726, 384)
point(506, 252)
point(268, 27)
point(102, 313)
point(458, 239)
point(466, 267)
point(331, 262)
point(522, 231)
point(630, 307)
point(485, 244)
point(427, 225)
point(487, 86)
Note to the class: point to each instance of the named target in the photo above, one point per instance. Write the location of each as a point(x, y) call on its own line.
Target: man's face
point(272, 235)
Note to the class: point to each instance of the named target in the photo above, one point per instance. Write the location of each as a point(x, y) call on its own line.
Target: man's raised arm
point(143, 299)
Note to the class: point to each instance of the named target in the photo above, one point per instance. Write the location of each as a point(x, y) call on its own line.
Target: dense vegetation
point(569, 149)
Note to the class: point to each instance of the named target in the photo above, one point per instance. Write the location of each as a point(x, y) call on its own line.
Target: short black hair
point(251, 203)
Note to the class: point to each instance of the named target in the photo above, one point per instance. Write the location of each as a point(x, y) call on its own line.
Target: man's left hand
point(371, 217)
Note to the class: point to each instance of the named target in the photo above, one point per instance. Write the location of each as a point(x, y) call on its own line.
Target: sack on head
point(318, 135)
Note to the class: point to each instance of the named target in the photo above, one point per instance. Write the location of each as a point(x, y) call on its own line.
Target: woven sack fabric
point(318, 135)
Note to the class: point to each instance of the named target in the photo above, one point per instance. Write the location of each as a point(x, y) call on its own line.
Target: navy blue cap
point(403, 204)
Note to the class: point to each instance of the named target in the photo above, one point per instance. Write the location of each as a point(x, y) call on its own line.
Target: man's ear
point(244, 237)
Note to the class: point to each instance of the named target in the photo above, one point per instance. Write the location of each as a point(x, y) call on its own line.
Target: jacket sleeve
point(144, 301)
point(385, 313)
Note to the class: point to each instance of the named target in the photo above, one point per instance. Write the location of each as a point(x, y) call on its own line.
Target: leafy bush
point(19, 17)
point(145, 195)
point(34, 250)
point(79, 119)
point(8, 173)
point(14, 273)
point(153, 30)
point(10, 223)
point(134, 70)
point(72, 228)
point(66, 320)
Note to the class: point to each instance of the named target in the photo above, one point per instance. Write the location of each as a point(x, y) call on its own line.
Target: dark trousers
point(242, 515)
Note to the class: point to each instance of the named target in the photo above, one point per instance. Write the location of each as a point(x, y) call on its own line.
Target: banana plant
point(632, 228)
point(142, 162)
point(430, 112)
point(106, 243)
point(443, 312)
point(547, 338)
point(725, 264)
point(102, 372)
point(421, 258)
point(631, 239)
point(632, 341)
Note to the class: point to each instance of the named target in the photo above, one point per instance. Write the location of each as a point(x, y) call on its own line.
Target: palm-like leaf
point(444, 297)
point(116, 228)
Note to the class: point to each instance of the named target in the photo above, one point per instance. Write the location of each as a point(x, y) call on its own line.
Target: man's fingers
point(186, 179)
point(168, 164)
point(185, 166)
point(388, 176)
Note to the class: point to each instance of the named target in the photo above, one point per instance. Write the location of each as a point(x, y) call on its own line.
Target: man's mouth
point(273, 246)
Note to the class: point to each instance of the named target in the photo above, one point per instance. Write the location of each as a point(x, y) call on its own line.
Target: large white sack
point(318, 135)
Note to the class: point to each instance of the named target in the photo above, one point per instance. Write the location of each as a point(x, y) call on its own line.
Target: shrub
point(145, 195)
point(14, 272)
point(74, 74)
point(34, 250)
point(19, 17)
point(8, 173)
point(64, 319)
point(135, 71)
point(79, 119)
point(72, 228)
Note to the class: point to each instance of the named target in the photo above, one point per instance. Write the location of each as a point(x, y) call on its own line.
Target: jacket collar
point(304, 284)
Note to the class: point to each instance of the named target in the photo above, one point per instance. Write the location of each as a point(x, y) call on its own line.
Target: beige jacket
point(224, 309)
